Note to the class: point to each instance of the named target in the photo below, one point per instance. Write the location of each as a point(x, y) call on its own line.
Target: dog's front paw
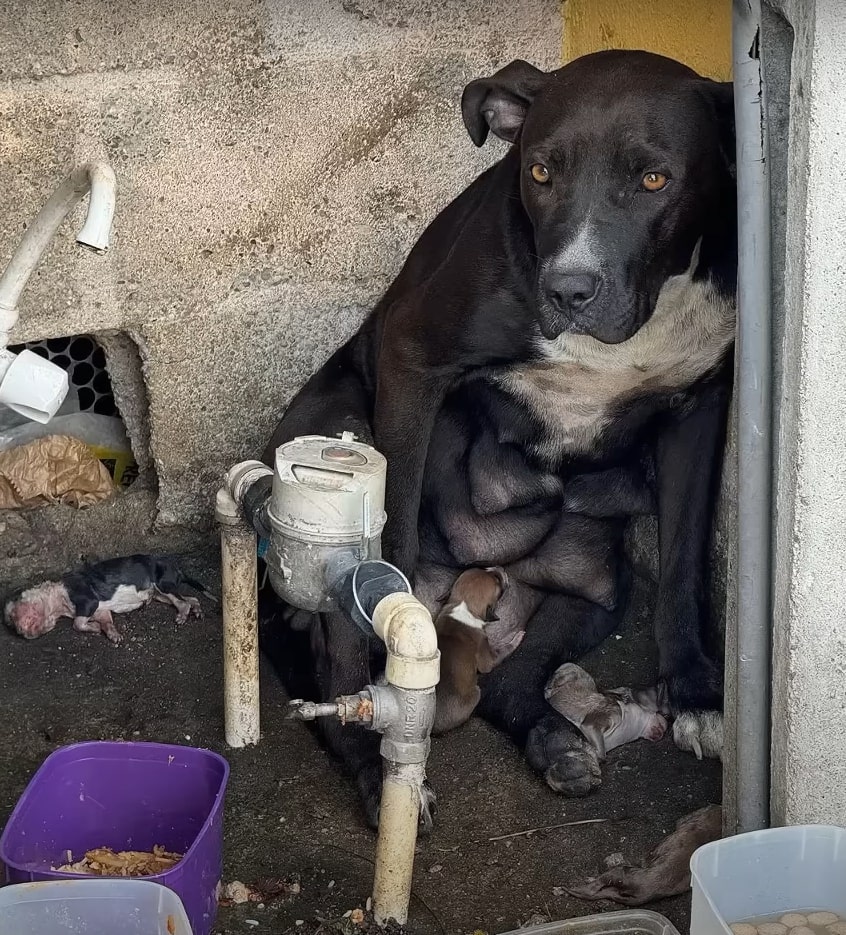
point(696, 700)
point(699, 732)
point(569, 764)
point(370, 781)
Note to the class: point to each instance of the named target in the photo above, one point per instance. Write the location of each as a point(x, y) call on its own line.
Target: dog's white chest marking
point(576, 389)
point(126, 598)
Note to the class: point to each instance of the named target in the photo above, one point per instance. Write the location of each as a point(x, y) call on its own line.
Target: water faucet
point(321, 512)
point(402, 710)
point(30, 385)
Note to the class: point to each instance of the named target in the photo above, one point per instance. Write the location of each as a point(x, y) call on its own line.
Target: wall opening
point(105, 407)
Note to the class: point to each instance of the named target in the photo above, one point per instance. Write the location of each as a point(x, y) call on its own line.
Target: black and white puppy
point(91, 595)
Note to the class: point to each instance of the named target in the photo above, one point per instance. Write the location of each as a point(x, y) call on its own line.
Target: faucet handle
point(353, 708)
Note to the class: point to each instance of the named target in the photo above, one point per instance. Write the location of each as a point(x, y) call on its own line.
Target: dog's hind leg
point(107, 625)
point(334, 400)
point(185, 606)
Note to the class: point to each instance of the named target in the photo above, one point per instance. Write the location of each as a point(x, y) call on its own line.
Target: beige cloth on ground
point(56, 468)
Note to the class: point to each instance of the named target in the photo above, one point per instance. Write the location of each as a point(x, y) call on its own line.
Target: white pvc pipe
point(413, 665)
point(406, 628)
point(94, 177)
point(399, 815)
point(31, 385)
point(239, 604)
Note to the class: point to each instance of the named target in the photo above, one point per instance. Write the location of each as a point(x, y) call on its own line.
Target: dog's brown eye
point(654, 181)
point(540, 173)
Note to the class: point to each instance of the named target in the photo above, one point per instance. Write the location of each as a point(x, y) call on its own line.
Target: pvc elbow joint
point(407, 630)
point(32, 386)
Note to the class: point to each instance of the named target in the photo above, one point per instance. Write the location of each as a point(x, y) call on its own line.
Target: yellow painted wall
point(696, 32)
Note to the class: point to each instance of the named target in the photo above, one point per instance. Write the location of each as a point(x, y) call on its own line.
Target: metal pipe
point(754, 424)
point(239, 604)
point(94, 177)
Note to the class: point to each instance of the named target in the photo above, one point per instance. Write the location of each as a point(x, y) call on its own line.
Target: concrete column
point(809, 652)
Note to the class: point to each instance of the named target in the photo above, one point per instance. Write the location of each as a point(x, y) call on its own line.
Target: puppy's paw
point(622, 884)
point(569, 764)
point(699, 732)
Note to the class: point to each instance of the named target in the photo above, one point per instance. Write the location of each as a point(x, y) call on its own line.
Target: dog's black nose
point(571, 292)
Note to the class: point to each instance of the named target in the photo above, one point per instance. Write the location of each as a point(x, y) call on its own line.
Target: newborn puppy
point(91, 595)
point(464, 647)
point(666, 870)
point(607, 719)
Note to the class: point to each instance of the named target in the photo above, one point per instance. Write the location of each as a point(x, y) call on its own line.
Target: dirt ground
point(290, 815)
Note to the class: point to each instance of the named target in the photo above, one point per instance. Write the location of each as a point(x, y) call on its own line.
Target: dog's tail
point(174, 562)
point(199, 586)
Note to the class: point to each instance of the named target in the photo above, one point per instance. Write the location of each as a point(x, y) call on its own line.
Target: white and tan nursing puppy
point(464, 646)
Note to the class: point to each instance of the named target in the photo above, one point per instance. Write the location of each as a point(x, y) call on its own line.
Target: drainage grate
point(83, 358)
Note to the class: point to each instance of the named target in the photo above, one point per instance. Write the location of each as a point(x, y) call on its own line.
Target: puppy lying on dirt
point(607, 719)
point(464, 645)
point(90, 596)
point(666, 870)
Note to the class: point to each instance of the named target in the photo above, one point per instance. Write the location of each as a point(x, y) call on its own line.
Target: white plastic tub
point(624, 922)
point(767, 872)
point(91, 907)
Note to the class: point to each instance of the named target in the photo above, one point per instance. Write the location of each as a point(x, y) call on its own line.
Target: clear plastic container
point(767, 872)
point(91, 907)
point(626, 922)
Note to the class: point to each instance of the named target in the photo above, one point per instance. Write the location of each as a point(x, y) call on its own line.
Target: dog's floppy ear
point(721, 96)
point(500, 102)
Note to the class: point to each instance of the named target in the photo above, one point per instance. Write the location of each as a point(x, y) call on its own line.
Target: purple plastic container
point(127, 796)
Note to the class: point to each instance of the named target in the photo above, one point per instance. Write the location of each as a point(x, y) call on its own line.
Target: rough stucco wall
point(275, 162)
point(809, 653)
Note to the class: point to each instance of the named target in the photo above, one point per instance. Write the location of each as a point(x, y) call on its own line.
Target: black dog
point(554, 356)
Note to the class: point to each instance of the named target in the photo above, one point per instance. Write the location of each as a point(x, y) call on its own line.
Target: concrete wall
point(696, 32)
point(809, 652)
point(275, 162)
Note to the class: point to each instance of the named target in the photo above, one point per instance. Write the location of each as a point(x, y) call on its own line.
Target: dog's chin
point(553, 325)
